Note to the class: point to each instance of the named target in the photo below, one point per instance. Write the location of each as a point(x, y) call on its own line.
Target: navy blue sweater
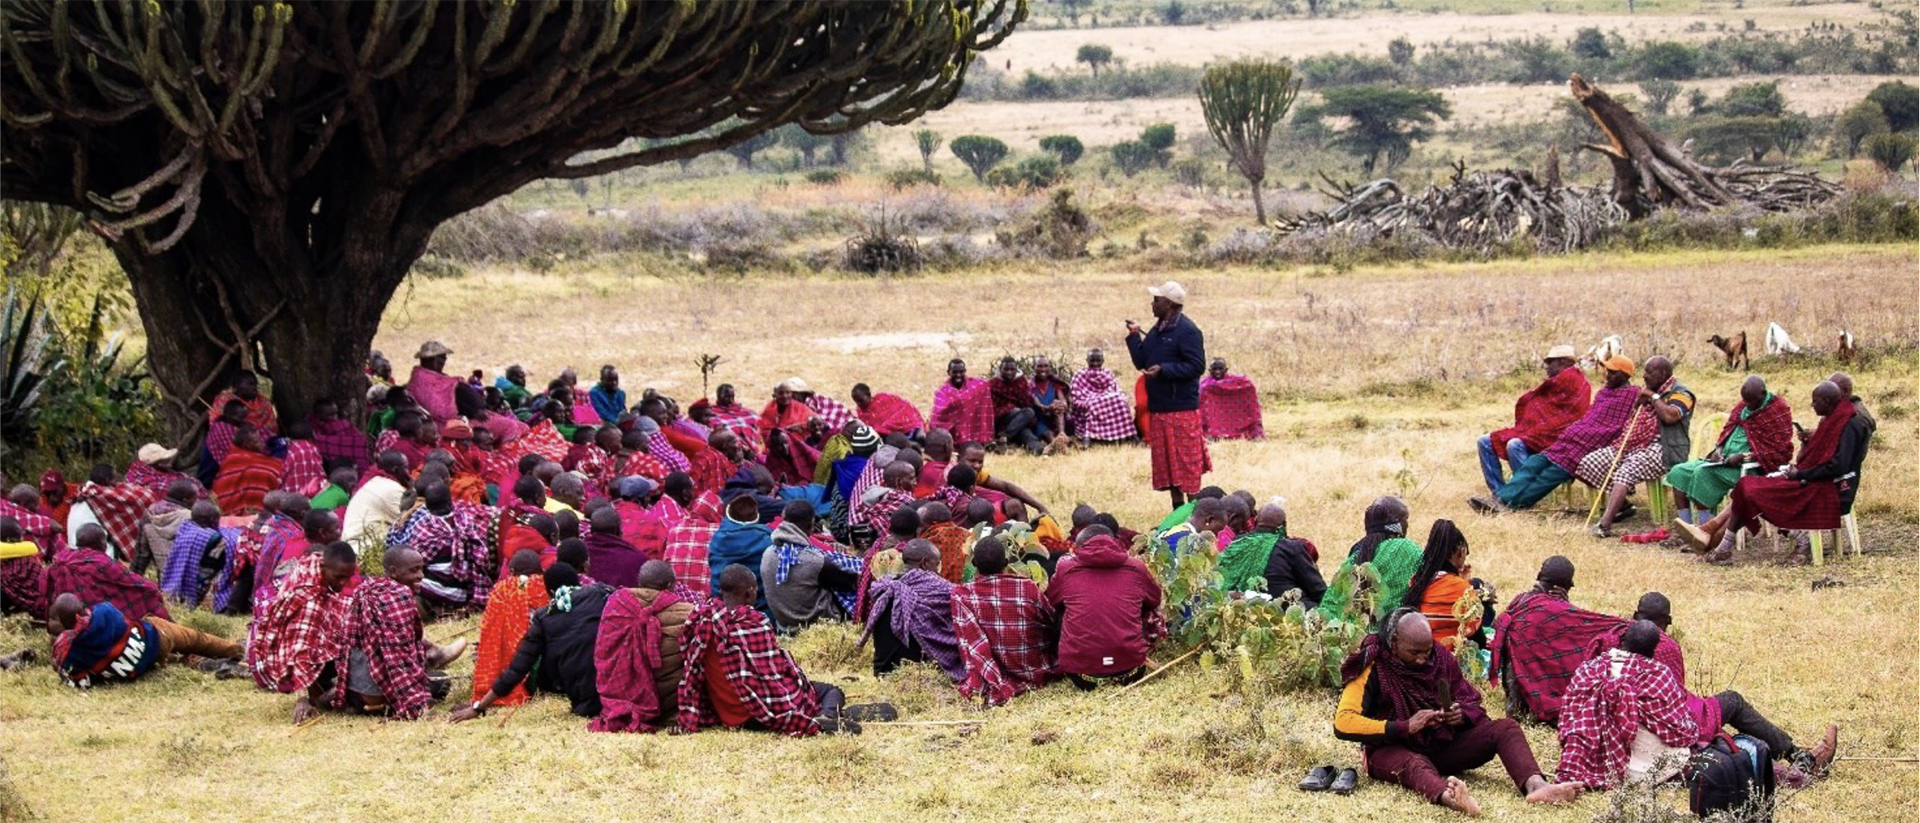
point(1181, 354)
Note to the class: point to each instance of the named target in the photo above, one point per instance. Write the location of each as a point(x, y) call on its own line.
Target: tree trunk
point(299, 304)
point(1259, 205)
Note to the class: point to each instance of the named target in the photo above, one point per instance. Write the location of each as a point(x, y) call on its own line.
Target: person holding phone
point(1172, 356)
point(1421, 724)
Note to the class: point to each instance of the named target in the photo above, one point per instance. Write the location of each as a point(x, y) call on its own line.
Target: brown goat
point(1735, 348)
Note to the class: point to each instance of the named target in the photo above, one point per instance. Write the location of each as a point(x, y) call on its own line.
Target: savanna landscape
point(876, 257)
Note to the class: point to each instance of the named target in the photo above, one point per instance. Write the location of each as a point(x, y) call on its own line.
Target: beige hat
point(1174, 292)
point(1560, 353)
point(432, 348)
point(152, 453)
point(796, 385)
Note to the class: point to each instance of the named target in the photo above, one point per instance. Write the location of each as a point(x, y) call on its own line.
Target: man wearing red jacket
point(1108, 608)
point(1538, 417)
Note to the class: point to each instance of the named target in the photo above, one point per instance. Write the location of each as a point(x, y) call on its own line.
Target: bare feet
point(1824, 751)
point(442, 655)
point(1458, 799)
point(1554, 793)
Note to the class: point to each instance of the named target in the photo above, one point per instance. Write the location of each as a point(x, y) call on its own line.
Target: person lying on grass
point(98, 644)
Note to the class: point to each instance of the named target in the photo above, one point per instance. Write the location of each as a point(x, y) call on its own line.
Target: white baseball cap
point(1171, 290)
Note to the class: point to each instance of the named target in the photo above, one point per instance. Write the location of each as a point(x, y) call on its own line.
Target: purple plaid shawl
point(922, 611)
point(1597, 429)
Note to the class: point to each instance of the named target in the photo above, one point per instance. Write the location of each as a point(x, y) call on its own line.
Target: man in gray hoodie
point(805, 583)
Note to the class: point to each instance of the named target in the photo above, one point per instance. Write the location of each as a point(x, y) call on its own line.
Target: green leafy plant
point(979, 152)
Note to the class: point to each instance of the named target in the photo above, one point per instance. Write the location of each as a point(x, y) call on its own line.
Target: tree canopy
point(980, 152)
point(266, 172)
point(1242, 101)
point(1381, 121)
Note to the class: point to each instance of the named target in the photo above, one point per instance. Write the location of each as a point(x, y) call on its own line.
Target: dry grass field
point(1376, 382)
point(1038, 49)
point(1100, 123)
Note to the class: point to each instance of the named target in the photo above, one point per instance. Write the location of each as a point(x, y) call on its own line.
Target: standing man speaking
point(1172, 357)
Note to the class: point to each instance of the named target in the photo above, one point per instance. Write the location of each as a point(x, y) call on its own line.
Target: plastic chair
point(1849, 529)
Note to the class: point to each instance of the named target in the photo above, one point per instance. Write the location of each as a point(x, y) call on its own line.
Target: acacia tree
point(1242, 102)
point(1381, 121)
point(267, 172)
point(1095, 56)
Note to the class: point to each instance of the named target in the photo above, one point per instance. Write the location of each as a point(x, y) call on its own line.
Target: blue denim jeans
point(1516, 453)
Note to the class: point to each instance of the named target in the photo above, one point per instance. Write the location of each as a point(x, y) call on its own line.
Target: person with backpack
point(1626, 716)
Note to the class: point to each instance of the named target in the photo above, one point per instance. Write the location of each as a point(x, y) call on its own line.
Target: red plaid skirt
point(1179, 450)
point(1788, 504)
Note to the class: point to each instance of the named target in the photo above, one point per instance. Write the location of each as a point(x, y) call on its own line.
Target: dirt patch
point(933, 341)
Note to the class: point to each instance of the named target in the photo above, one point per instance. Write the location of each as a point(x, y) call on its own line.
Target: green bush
point(1132, 156)
point(979, 152)
point(908, 178)
point(1035, 172)
point(823, 177)
point(1891, 150)
point(1064, 146)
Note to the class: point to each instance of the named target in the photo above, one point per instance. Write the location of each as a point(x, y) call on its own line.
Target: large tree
point(267, 172)
point(1242, 102)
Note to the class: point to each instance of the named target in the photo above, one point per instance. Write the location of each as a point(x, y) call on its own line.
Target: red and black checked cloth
point(1001, 622)
point(775, 691)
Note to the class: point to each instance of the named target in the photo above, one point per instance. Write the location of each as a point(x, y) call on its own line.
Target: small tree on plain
point(1242, 102)
point(1072, 8)
point(1159, 137)
point(1859, 122)
point(1660, 94)
point(1064, 146)
point(1132, 157)
point(1400, 51)
point(806, 143)
point(1095, 56)
point(928, 141)
point(1891, 150)
point(1901, 103)
point(1383, 122)
point(980, 152)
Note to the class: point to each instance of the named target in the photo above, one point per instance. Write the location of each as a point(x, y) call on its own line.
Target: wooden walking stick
point(1619, 454)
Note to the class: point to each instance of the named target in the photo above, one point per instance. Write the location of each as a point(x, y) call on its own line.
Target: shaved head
point(656, 574)
point(1272, 516)
point(920, 554)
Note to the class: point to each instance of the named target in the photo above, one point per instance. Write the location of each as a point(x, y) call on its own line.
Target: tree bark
point(1259, 205)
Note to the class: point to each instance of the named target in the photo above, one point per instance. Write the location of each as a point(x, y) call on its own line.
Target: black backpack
point(1733, 776)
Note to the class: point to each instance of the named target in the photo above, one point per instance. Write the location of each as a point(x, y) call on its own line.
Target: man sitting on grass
point(99, 644)
point(557, 647)
point(1001, 622)
point(305, 629)
point(637, 658)
point(911, 616)
point(247, 474)
point(384, 667)
point(1229, 405)
point(806, 582)
point(738, 676)
point(1599, 428)
point(509, 610)
point(86, 570)
point(1540, 639)
point(1420, 721)
point(1109, 611)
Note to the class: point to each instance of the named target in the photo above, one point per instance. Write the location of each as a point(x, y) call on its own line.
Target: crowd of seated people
point(647, 563)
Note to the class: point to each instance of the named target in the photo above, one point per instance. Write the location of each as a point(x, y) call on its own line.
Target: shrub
point(1666, 60)
point(1590, 44)
point(1035, 172)
point(881, 249)
point(1060, 231)
point(1064, 146)
point(1132, 156)
point(1890, 150)
point(823, 177)
point(906, 178)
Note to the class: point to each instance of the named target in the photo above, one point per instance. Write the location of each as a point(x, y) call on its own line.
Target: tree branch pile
point(1482, 210)
point(1479, 210)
